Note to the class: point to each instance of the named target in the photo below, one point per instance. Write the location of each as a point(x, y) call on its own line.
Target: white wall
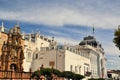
point(30, 47)
point(63, 60)
point(76, 61)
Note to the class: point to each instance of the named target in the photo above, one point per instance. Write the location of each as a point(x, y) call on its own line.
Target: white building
point(63, 58)
point(86, 57)
point(32, 47)
point(97, 56)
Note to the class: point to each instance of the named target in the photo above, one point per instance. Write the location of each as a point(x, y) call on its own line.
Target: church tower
point(12, 51)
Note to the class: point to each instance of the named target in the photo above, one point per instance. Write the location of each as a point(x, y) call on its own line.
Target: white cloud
point(65, 40)
point(102, 13)
point(107, 44)
point(55, 15)
point(111, 49)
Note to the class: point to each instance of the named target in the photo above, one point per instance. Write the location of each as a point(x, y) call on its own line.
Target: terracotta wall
point(24, 76)
point(3, 37)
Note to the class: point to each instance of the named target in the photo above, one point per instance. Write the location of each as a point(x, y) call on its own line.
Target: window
point(75, 68)
point(79, 69)
point(36, 57)
point(71, 67)
point(84, 70)
point(87, 69)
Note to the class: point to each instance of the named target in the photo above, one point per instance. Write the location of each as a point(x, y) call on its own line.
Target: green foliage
point(116, 39)
point(56, 72)
point(78, 77)
point(96, 79)
point(67, 74)
point(36, 74)
point(71, 75)
point(47, 72)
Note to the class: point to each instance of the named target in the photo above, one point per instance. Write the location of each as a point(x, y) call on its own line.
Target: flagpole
point(93, 30)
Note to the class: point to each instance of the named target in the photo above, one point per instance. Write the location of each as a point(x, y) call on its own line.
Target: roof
point(90, 40)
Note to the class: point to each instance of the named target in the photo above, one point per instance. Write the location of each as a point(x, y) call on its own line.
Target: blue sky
point(67, 20)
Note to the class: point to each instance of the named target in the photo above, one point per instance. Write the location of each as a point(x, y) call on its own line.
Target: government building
point(30, 51)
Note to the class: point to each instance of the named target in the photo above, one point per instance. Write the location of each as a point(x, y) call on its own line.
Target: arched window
point(36, 57)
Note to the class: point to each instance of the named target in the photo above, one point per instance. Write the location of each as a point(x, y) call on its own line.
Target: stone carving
point(12, 52)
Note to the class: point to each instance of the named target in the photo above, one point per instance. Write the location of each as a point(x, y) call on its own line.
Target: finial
point(2, 24)
point(93, 30)
point(52, 38)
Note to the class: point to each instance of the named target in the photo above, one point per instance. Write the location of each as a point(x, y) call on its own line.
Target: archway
point(13, 67)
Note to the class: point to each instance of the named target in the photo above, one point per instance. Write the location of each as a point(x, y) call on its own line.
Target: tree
point(67, 74)
point(47, 72)
point(70, 75)
point(56, 72)
point(116, 39)
point(97, 79)
point(78, 77)
point(36, 74)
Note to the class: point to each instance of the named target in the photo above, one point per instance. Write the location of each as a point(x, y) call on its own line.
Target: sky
point(67, 20)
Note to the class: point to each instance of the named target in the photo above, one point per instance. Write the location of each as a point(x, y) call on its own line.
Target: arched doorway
point(13, 67)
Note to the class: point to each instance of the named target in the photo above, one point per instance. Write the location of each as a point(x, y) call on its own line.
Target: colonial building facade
point(25, 52)
point(63, 58)
point(12, 51)
point(32, 46)
point(97, 56)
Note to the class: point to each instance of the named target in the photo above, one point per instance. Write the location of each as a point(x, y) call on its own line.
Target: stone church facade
point(27, 52)
point(12, 51)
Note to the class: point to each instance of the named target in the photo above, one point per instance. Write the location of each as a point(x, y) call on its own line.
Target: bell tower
point(12, 51)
